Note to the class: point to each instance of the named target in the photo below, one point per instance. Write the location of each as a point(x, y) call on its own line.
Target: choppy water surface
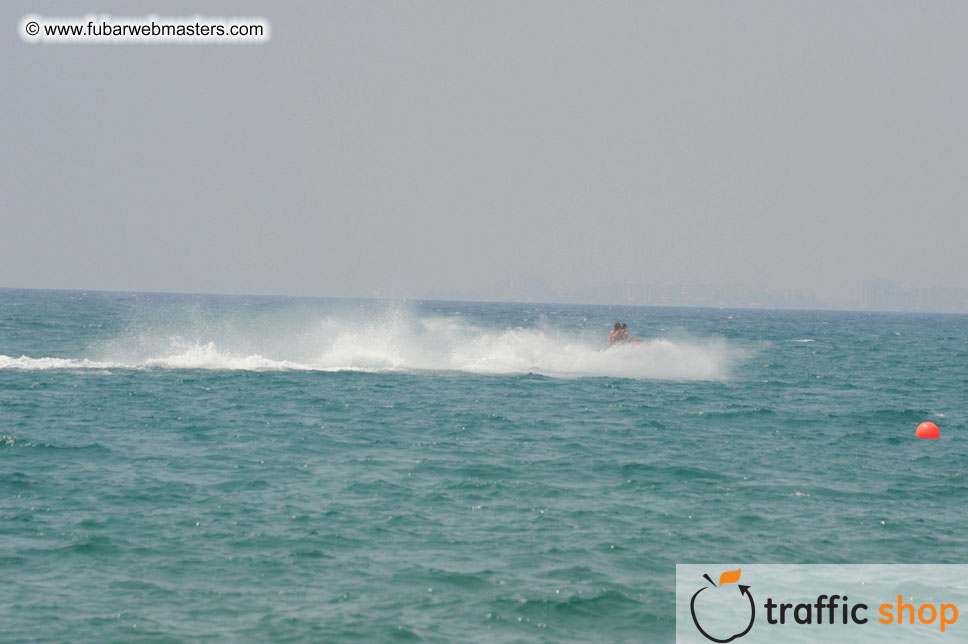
point(179, 468)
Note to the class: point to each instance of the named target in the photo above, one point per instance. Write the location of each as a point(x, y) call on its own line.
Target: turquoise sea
point(178, 468)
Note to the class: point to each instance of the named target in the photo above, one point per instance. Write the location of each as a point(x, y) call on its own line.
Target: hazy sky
point(406, 148)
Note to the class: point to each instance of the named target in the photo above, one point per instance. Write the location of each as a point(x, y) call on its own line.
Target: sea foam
point(397, 340)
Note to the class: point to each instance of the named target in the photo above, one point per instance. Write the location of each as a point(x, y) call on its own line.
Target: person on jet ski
point(620, 335)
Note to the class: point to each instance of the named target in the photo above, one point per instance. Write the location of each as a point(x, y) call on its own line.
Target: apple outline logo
point(744, 590)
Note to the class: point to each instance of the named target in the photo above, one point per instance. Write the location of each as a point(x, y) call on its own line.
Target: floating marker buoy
point(928, 430)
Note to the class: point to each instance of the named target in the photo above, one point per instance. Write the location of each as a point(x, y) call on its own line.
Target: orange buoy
point(928, 430)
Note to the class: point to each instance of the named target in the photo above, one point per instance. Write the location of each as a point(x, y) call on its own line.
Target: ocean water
point(180, 468)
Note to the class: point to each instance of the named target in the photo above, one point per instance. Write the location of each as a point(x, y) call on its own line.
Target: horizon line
point(478, 301)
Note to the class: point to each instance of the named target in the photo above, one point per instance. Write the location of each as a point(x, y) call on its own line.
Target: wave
point(43, 364)
point(402, 342)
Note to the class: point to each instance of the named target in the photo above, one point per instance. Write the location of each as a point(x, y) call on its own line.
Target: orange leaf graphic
point(729, 577)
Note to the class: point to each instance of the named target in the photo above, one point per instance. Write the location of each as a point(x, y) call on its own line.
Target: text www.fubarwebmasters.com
point(151, 29)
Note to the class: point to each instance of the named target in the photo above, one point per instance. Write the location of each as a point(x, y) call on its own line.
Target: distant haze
point(812, 153)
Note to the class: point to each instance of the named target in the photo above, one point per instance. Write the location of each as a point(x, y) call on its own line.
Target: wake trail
point(405, 343)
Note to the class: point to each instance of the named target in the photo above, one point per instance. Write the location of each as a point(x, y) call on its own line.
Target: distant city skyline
point(873, 295)
point(878, 294)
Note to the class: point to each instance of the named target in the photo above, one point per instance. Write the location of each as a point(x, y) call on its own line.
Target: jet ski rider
point(620, 335)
